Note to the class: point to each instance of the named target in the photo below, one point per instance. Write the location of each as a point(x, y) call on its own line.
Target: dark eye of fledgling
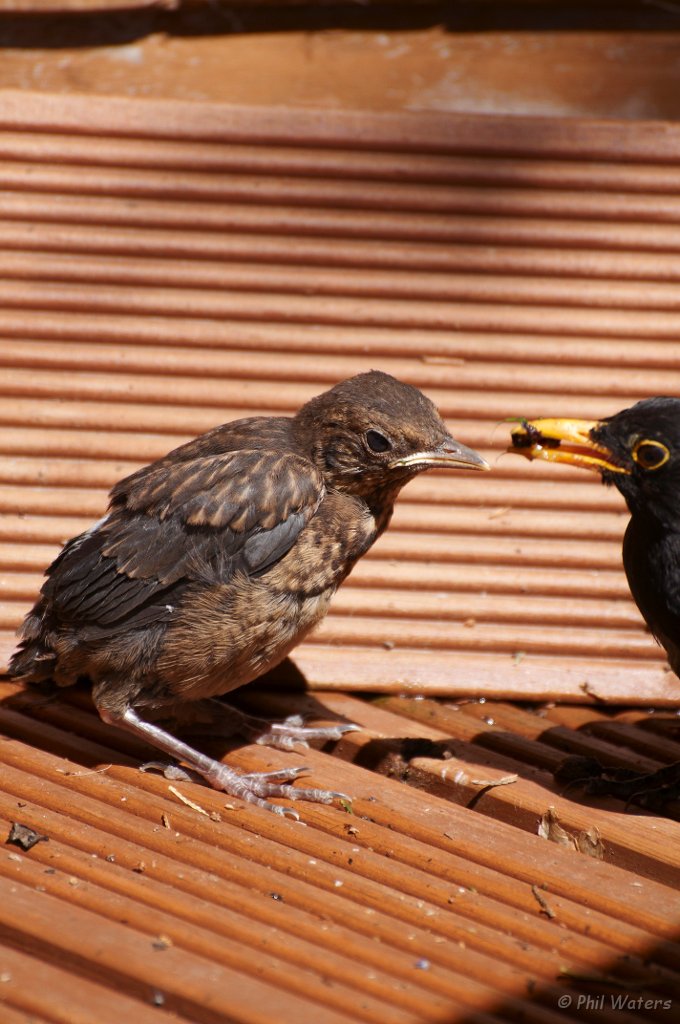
point(377, 442)
point(651, 454)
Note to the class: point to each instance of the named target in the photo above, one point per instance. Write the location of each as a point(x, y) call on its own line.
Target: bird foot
point(285, 735)
point(292, 732)
point(253, 787)
point(256, 787)
point(168, 769)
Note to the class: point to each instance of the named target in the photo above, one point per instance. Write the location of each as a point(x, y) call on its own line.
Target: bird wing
point(652, 563)
point(199, 519)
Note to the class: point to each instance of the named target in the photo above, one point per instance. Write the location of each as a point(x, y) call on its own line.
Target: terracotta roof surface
point(166, 267)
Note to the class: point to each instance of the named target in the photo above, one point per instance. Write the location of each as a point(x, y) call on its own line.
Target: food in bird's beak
point(570, 441)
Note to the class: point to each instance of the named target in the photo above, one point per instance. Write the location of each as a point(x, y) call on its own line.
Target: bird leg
point(253, 787)
point(285, 735)
point(213, 717)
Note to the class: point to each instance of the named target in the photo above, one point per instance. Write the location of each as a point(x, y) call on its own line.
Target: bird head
point(637, 450)
point(373, 433)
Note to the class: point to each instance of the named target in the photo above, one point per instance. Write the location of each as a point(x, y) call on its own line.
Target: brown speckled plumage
point(214, 561)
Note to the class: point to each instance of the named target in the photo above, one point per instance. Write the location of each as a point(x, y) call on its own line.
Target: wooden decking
point(167, 898)
point(165, 267)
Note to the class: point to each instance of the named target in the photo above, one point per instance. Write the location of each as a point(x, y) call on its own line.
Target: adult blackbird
point(213, 562)
point(637, 450)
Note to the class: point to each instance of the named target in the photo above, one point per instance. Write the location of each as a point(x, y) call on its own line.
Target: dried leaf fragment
point(506, 780)
point(588, 689)
point(187, 801)
point(587, 841)
point(25, 837)
point(549, 828)
point(590, 843)
point(502, 510)
point(543, 903)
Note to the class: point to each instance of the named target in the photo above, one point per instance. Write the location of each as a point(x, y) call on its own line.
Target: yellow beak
point(567, 441)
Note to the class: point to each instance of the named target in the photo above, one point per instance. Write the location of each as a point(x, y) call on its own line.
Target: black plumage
point(638, 451)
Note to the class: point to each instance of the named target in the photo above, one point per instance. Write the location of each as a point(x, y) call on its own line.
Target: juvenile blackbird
point(215, 561)
point(637, 450)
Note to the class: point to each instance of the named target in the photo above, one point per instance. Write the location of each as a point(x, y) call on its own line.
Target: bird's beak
point(568, 441)
point(448, 455)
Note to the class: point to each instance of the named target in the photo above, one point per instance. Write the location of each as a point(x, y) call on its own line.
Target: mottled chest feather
point(230, 633)
point(338, 535)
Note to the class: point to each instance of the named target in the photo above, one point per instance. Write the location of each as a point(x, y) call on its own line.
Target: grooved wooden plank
point(430, 372)
point(495, 228)
point(290, 964)
point(422, 577)
point(367, 864)
point(536, 316)
point(441, 347)
point(537, 676)
point(510, 491)
point(340, 193)
point(299, 249)
point(235, 936)
point(37, 991)
point(451, 605)
point(492, 674)
point(168, 267)
point(424, 131)
point(267, 847)
point(194, 986)
point(413, 516)
point(567, 875)
point(398, 544)
point(250, 159)
point(648, 854)
point(393, 284)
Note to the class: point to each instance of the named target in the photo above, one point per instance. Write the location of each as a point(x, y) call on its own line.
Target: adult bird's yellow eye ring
point(651, 454)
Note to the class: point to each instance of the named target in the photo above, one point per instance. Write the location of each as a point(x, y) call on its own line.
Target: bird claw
point(292, 732)
point(285, 735)
point(255, 787)
point(169, 770)
point(282, 775)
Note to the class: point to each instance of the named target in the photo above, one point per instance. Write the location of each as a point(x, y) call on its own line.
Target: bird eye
point(377, 442)
point(651, 454)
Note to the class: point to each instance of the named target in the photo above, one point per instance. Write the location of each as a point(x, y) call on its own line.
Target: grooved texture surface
point(435, 903)
point(166, 267)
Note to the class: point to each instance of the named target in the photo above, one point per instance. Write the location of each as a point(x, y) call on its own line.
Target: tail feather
point(34, 660)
